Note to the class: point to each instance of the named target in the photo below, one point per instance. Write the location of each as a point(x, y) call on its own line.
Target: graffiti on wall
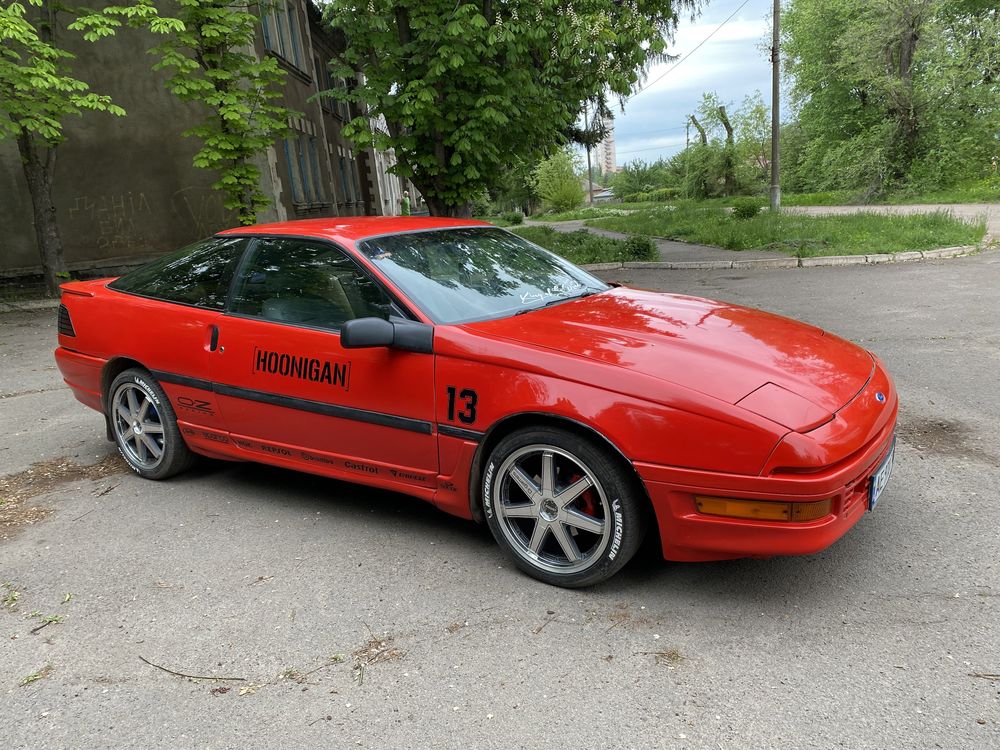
point(116, 219)
point(201, 209)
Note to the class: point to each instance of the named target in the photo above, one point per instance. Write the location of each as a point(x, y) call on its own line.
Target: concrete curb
point(29, 304)
point(762, 263)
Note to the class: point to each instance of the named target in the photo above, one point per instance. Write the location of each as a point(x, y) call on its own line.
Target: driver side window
point(306, 283)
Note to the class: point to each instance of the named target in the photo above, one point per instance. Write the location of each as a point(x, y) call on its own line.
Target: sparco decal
point(616, 542)
point(410, 476)
point(301, 367)
point(488, 490)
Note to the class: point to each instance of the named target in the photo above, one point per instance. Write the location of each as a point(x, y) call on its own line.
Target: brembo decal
point(302, 367)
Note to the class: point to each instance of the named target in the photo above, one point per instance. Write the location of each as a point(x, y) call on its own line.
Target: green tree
point(731, 152)
point(638, 176)
point(557, 181)
point(469, 87)
point(212, 62)
point(38, 92)
point(894, 92)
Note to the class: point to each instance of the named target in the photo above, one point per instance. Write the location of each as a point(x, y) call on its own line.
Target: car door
point(168, 324)
point(290, 391)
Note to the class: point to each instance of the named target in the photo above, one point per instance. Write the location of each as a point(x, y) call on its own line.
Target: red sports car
point(458, 363)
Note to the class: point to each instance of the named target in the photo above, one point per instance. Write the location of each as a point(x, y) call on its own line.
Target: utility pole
point(590, 172)
point(687, 154)
point(775, 108)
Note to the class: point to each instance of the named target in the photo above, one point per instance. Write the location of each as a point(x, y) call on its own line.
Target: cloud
point(731, 63)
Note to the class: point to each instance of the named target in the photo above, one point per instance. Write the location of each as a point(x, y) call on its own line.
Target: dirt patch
point(41, 478)
point(945, 437)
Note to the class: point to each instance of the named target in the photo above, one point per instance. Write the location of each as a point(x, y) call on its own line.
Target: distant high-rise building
point(604, 152)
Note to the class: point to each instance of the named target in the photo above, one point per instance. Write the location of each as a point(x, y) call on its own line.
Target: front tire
point(563, 507)
point(145, 427)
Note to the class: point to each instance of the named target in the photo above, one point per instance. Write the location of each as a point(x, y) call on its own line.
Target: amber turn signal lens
point(762, 510)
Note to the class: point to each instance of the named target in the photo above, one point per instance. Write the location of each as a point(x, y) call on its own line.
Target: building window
point(302, 156)
point(280, 25)
point(345, 190)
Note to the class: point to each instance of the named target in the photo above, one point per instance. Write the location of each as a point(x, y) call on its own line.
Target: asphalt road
point(290, 581)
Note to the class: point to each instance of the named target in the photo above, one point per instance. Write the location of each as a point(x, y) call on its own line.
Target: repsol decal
point(214, 437)
point(302, 367)
point(616, 541)
point(408, 475)
point(275, 449)
point(363, 468)
point(196, 404)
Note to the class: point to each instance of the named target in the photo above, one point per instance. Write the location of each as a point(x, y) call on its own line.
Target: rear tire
point(144, 426)
point(562, 506)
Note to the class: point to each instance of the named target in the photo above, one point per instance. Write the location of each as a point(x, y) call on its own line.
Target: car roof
point(354, 228)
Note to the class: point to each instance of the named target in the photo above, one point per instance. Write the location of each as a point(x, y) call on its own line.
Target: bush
point(513, 217)
point(663, 194)
point(746, 208)
point(639, 247)
point(582, 246)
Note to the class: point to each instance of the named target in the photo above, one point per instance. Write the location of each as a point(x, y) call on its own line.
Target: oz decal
point(467, 400)
point(196, 404)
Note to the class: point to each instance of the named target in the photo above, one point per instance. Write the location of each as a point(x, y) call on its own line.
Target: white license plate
point(880, 478)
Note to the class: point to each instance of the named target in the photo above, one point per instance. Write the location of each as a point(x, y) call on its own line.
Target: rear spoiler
point(79, 288)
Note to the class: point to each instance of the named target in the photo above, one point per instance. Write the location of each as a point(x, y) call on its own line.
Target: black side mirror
point(365, 333)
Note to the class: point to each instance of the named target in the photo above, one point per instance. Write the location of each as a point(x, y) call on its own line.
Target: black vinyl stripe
point(460, 432)
point(169, 377)
point(302, 404)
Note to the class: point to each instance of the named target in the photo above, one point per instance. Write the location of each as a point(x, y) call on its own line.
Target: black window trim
point(394, 298)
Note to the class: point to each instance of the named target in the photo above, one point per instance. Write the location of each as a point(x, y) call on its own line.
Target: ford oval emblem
point(880, 397)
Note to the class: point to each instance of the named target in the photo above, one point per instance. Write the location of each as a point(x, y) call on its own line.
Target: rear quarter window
point(197, 275)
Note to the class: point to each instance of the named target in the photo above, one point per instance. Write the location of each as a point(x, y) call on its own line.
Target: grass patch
point(798, 234)
point(984, 191)
point(830, 198)
point(582, 246)
point(595, 212)
point(497, 221)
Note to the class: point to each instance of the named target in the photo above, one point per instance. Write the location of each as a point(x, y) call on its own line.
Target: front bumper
point(856, 441)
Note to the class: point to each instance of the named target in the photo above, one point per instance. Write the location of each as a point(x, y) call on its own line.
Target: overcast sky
point(731, 63)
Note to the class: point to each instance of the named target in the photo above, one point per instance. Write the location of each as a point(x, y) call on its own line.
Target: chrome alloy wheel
point(552, 509)
point(138, 426)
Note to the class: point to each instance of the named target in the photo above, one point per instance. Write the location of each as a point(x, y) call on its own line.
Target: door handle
point(214, 341)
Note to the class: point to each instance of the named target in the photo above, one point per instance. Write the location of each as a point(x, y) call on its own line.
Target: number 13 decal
point(469, 399)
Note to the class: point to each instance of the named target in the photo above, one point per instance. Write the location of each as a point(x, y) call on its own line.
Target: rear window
point(197, 275)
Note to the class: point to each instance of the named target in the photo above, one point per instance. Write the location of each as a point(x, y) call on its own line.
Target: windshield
point(476, 273)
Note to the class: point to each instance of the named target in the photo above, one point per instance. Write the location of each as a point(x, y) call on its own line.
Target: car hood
point(772, 364)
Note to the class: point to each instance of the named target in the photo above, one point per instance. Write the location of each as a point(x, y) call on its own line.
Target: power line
point(660, 130)
point(702, 42)
point(648, 148)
